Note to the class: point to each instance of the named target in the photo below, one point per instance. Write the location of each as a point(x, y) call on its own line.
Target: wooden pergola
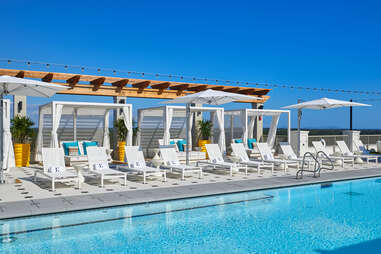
point(130, 87)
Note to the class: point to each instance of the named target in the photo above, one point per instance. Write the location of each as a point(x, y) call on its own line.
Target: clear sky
point(332, 44)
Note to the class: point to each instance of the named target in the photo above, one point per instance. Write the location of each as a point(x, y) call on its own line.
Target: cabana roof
point(59, 108)
point(248, 124)
point(82, 108)
point(168, 112)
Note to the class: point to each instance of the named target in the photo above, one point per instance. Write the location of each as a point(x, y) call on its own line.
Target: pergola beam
point(141, 88)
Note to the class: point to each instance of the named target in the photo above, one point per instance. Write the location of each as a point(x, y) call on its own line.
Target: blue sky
point(331, 44)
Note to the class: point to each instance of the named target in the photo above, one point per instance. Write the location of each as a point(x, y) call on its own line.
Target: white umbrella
point(25, 87)
point(211, 97)
point(323, 103)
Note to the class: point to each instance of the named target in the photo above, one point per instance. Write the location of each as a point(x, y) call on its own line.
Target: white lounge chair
point(267, 156)
point(318, 145)
point(240, 151)
point(217, 161)
point(346, 152)
point(98, 165)
point(54, 167)
point(136, 163)
point(168, 154)
point(360, 147)
point(289, 154)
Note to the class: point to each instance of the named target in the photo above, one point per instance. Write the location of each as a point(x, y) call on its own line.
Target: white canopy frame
point(58, 108)
point(248, 126)
point(8, 152)
point(168, 112)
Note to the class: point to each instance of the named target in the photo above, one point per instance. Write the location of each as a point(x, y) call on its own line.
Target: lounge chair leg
point(258, 170)
point(35, 177)
point(200, 175)
point(125, 179)
point(183, 175)
point(246, 170)
point(231, 171)
point(144, 177)
point(101, 180)
point(53, 185)
point(165, 176)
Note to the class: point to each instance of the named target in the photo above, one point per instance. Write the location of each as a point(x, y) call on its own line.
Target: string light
point(182, 77)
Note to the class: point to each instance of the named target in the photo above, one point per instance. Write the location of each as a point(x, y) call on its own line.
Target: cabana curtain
point(106, 131)
point(167, 125)
point(57, 112)
point(127, 118)
point(273, 129)
point(8, 153)
point(221, 138)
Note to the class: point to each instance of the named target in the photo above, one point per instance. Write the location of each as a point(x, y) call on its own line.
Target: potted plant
point(22, 132)
point(205, 131)
point(122, 136)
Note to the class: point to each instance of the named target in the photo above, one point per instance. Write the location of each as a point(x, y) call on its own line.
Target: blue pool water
point(344, 217)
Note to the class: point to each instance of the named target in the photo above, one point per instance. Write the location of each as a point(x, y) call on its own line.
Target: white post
point(2, 180)
point(75, 124)
point(188, 132)
point(289, 128)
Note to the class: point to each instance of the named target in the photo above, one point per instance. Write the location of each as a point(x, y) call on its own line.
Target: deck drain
point(8, 239)
point(24, 193)
point(84, 192)
point(57, 194)
point(109, 189)
point(353, 193)
point(21, 189)
point(212, 180)
point(175, 184)
point(229, 179)
point(155, 185)
point(133, 188)
point(194, 182)
point(28, 197)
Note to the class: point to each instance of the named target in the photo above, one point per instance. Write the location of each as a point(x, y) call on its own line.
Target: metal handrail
point(316, 169)
point(327, 157)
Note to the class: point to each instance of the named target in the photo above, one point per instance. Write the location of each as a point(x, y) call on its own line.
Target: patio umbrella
point(319, 104)
point(24, 87)
point(323, 103)
point(212, 97)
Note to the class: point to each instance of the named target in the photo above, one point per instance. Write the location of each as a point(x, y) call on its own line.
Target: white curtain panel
point(221, 125)
point(273, 130)
point(75, 113)
point(168, 115)
point(212, 118)
point(251, 126)
point(127, 118)
point(39, 141)
point(190, 130)
point(106, 131)
point(56, 118)
point(243, 117)
point(140, 121)
point(8, 153)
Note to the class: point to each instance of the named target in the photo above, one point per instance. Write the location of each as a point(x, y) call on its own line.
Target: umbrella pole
point(299, 124)
point(351, 117)
point(187, 130)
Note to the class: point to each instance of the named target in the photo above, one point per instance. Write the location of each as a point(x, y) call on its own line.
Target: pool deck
point(39, 206)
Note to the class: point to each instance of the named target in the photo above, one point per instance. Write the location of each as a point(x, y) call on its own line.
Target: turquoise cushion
point(250, 142)
point(87, 144)
point(238, 141)
point(172, 142)
point(180, 145)
point(66, 146)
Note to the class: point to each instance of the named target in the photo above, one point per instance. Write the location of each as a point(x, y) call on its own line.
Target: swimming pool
point(342, 217)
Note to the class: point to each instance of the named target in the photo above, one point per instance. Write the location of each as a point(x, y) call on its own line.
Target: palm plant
point(21, 129)
point(121, 129)
point(205, 129)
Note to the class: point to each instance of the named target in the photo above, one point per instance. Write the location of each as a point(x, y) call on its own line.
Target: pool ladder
point(318, 165)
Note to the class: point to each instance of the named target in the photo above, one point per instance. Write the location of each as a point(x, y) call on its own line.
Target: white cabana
point(247, 120)
point(167, 113)
point(57, 109)
point(8, 153)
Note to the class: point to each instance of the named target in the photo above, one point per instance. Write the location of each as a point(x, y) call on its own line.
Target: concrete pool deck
point(15, 204)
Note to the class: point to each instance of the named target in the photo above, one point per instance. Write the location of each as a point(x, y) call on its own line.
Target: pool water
point(342, 217)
